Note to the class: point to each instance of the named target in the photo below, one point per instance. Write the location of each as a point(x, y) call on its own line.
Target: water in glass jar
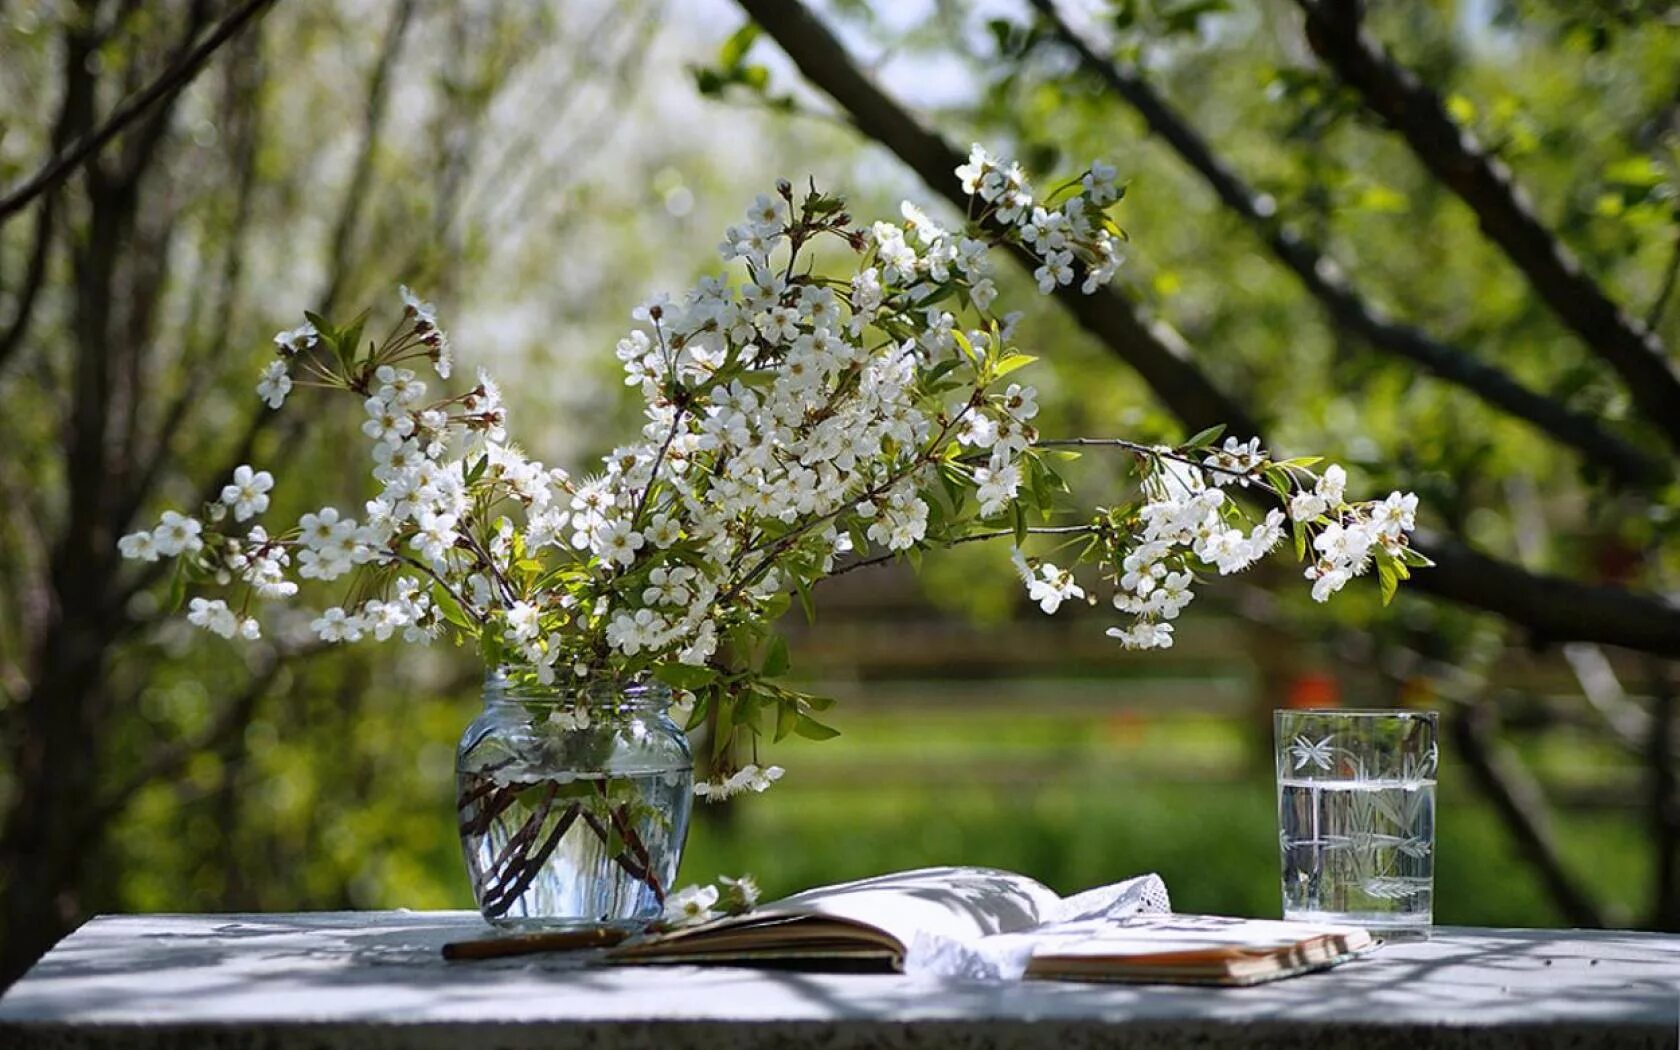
point(1359, 851)
point(596, 848)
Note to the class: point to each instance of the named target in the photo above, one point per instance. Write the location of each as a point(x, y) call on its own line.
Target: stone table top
point(376, 980)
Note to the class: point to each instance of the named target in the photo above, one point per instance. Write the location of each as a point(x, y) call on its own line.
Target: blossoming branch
point(798, 422)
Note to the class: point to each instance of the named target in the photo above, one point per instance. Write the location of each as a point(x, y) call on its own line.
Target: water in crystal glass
point(1356, 817)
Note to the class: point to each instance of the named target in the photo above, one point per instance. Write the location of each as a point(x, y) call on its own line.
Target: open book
point(988, 923)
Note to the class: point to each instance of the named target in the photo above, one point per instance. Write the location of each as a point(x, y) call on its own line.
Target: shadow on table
point(387, 967)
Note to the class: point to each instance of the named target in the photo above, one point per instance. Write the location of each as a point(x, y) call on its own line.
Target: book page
point(1147, 935)
point(963, 904)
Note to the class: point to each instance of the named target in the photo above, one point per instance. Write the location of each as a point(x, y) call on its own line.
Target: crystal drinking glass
point(1356, 817)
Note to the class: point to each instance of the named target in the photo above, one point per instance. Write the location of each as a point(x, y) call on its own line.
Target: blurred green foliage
point(1083, 802)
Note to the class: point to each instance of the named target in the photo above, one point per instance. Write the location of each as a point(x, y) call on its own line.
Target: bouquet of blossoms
point(801, 421)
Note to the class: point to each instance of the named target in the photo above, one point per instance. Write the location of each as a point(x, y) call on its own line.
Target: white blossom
point(1235, 461)
point(336, 625)
point(139, 546)
point(1143, 635)
point(247, 495)
point(275, 384)
point(690, 906)
point(214, 616)
point(177, 534)
point(748, 778)
point(1395, 515)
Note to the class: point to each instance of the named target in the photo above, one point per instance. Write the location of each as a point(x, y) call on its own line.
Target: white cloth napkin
point(934, 955)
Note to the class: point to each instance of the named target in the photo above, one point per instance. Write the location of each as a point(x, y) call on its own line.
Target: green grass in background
point(1081, 802)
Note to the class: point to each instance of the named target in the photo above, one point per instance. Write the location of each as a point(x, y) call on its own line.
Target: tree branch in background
point(170, 81)
point(373, 120)
point(516, 184)
point(1454, 156)
point(34, 276)
point(143, 140)
point(202, 365)
point(1507, 785)
point(1621, 716)
point(1551, 607)
point(1347, 308)
point(1154, 350)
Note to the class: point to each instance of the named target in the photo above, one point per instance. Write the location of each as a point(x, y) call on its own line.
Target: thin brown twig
point(1146, 450)
point(171, 80)
point(527, 833)
point(633, 842)
point(974, 537)
point(505, 897)
point(622, 859)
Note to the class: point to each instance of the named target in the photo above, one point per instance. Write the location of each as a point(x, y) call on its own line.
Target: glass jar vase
point(573, 802)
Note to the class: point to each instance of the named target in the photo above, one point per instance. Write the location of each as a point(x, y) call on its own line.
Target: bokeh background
point(540, 168)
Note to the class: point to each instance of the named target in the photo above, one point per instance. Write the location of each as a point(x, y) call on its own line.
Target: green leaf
point(351, 338)
point(723, 737)
point(802, 587)
point(1389, 578)
point(476, 471)
point(177, 589)
point(746, 711)
point(1299, 529)
point(685, 676)
point(860, 538)
point(776, 662)
point(1011, 362)
point(1280, 482)
point(1638, 170)
point(1415, 558)
point(739, 43)
point(707, 81)
point(450, 608)
point(1206, 437)
point(1020, 523)
point(776, 605)
point(940, 370)
point(787, 716)
point(811, 729)
point(697, 714)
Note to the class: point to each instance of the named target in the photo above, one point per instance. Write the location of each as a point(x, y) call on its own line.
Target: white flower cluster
point(419, 488)
point(693, 905)
point(214, 616)
point(749, 777)
point(1076, 231)
point(1345, 547)
point(1188, 524)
